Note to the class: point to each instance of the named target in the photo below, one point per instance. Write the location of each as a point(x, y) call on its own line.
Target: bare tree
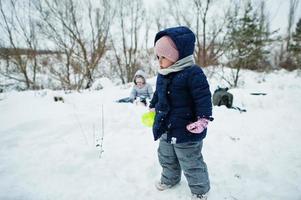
point(80, 34)
point(19, 29)
point(291, 18)
point(201, 13)
point(209, 42)
point(130, 16)
point(147, 26)
point(160, 19)
point(284, 57)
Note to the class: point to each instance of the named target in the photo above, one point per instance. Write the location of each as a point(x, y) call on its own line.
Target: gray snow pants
point(187, 157)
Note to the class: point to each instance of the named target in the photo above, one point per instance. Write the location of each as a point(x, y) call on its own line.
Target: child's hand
point(198, 126)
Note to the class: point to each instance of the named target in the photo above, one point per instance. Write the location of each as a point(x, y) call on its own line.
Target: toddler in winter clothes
point(141, 91)
point(182, 102)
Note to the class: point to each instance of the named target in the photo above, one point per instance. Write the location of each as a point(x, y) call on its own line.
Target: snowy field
point(48, 149)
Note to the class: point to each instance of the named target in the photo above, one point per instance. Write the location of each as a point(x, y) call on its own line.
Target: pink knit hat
point(167, 48)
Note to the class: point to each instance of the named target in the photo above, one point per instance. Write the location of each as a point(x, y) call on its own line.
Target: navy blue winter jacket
point(181, 97)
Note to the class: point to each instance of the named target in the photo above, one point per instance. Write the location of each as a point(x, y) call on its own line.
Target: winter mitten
point(198, 126)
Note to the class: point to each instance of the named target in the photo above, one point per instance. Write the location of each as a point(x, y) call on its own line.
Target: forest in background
point(69, 44)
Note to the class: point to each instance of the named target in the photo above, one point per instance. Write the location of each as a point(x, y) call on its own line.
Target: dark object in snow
point(58, 98)
point(258, 93)
point(142, 100)
point(221, 96)
point(237, 176)
point(234, 138)
point(239, 109)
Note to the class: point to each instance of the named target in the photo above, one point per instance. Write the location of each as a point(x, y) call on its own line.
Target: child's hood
point(140, 73)
point(182, 36)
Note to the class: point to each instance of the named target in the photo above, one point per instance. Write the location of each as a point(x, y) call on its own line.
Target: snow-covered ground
point(48, 149)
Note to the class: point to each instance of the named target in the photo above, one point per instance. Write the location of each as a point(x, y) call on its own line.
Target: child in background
point(182, 102)
point(141, 91)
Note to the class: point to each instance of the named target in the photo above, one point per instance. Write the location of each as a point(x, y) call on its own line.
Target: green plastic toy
point(148, 119)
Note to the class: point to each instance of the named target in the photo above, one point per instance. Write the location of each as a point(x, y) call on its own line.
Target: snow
point(48, 149)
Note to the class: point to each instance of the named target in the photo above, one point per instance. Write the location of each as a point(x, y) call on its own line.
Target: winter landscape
point(48, 149)
point(64, 64)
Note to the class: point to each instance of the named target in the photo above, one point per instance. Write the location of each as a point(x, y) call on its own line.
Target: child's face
point(164, 62)
point(139, 82)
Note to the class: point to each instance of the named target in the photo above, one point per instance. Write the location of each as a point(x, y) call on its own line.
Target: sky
point(278, 14)
point(277, 11)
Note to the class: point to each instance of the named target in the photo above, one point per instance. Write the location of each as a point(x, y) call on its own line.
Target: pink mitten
point(198, 126)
